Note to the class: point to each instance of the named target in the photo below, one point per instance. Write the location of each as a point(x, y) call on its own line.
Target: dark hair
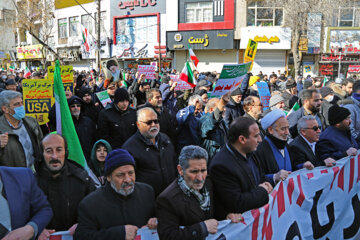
point(240, 127)
point(248, 101)
point(150, 93)
point(347, 81)
point(356, 86)
point(307, 94)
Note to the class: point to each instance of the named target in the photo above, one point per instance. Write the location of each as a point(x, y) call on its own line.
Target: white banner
point(148, 70)
point(322, 203)
point(182, 85)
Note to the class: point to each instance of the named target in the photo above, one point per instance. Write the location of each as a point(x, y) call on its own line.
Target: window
point(260, 15)
point(102, 23)
point(74, 26)
point(87, 22)
point(199, 12)
point(136, 30)
point(62, 28)
point(346, 17)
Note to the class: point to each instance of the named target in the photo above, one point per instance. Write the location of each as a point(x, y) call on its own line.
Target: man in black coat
point(89, 108)
point(153, 152)
point(302, 149)
point(64, 182)
point(188, 201)
point(116, 210)
point(116, 122)
point(84, 126)
point(239, 183)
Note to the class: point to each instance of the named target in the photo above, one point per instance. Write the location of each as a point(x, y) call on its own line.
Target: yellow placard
point(38, 98)
point(30, 52)
point(67, 76)
point(250, 52)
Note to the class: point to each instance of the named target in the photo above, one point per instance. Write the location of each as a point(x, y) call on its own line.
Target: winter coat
point(64, 192)
point(334, 143)
point(355, 117)
point(86, 132)
point(95, 165)
point(213, 132)
point(155, 165)
point(116, 126)
point(233, 110)
point(175, 209)
point(13, 155)
point(188, 127)
point(104, 213)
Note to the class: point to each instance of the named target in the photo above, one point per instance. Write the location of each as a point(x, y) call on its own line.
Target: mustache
point(154, 128)
point(54, 161)
point(197, 181)
point(124, 185)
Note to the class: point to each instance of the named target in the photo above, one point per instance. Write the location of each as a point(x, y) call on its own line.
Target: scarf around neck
point(203, 198)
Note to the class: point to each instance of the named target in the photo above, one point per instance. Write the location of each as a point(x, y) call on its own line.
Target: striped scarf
point(203, 198)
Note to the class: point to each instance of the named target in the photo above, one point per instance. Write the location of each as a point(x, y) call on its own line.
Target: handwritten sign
point(230, 78)
point(38, 98)
point(182, 85)
point(148, 70)
point(264, 94)
point(250, 53)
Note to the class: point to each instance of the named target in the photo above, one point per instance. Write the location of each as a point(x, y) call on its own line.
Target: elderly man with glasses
point(302, 149)
point(153, 151)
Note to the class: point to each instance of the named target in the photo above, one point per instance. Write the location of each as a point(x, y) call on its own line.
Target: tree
point(36, 17)
point(296, 18)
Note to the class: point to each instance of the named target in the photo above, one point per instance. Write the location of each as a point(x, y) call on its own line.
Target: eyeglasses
point(155, 121)
point(315, 128)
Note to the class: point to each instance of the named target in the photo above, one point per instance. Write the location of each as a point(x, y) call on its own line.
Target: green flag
point(324, 82)
point(64, 124)
point(293, 109)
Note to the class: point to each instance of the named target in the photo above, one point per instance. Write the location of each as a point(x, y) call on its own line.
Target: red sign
point(336, 58)
point(326, 70)
point(354, 68)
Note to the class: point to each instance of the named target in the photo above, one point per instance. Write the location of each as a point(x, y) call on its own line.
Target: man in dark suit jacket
point(239, 183)
point(188, 201)
point(27, 211)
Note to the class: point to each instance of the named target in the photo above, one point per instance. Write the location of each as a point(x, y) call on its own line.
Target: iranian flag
point(11, 69)
point(65, 125)
point(187, 75)
point(85, 38)
point(27, 72)
point(193, 57)
point(293, 109)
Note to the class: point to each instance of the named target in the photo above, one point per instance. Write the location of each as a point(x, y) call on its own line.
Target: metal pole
point(98, 45)
point(340, 49)
point(159, 37)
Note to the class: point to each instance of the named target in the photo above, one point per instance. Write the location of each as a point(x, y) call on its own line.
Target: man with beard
point(167, 122)
point(116, 210)
point(116, 122)
point(153, 152)
point(311, 100)
point(89, 109)
point(347, 86)
point(336, 141)
point(64, 182)
point(273, 154)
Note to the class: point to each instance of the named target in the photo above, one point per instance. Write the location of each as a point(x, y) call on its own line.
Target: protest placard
point(250, 52)
point(181, 85)
point(67, 76)
point(230, 78)
point(148, 70)
point(264, 94)
point(38, 98)
point(103, 97)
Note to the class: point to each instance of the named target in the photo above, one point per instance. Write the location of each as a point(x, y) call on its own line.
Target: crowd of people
point(173, 160)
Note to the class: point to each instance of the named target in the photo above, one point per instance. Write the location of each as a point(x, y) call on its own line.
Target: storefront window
point(74, 26)
point(199, 12)
point(87, 22)
point(260, 15)
point(62, 28)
